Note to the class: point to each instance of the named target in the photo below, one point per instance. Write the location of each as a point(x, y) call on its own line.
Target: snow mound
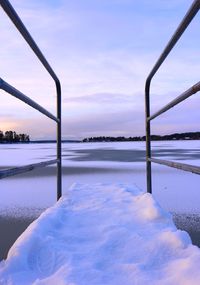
point(102, 234)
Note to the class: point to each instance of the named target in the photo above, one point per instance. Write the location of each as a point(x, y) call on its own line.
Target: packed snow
point(103, 234)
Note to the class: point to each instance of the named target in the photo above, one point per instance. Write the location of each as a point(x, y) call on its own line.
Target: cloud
point(105, 123)
point(102, 52)
point(118, 121)
point(102, 98)
point(7, 123)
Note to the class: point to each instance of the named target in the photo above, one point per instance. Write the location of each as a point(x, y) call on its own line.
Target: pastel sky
point(102, 51)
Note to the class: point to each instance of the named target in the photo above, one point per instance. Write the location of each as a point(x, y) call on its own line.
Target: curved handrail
point(176, 36)
point(10, 11)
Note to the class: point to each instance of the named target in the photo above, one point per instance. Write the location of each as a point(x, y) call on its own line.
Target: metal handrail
point(22, 169)
point(191, 91)
point(19, 95)
point(10, 11)
point(178, 33)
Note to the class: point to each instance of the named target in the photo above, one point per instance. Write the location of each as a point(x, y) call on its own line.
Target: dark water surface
point(189, 223)
point(10, 229)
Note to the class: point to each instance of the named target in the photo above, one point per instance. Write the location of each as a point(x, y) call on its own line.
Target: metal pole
point(12, 14)
point(148, 137)
point(19, 95)
point(183, 166)
point(191, 91)
point(59, 142)
point(22, 169)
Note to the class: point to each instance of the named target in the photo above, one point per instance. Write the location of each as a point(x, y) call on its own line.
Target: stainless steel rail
point(174, 164)
point(17, 94)
point(191, 91)
point(22, 169)
point(10, 11)
point(178, 33)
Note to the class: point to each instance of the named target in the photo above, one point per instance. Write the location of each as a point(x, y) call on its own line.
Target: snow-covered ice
point(103, 234)
point(113, 162)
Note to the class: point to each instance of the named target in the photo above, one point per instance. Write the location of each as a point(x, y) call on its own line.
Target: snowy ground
point(103, 234)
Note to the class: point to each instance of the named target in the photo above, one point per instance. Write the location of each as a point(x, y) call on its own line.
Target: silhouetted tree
point(12, 136)
point(1, 135)
point(176, 136)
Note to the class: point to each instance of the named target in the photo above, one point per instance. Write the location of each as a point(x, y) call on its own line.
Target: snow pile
point(103, 234)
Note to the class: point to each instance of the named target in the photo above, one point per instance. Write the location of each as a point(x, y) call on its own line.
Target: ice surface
point(115, 162)
point(103, 234)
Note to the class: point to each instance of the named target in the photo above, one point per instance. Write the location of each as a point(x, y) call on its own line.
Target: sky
point(102, 51)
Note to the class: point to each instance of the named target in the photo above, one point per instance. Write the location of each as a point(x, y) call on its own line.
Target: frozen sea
point(24, 197)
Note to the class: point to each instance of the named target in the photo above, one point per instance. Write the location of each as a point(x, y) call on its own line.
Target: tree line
point(12, 137)
point(176, 136)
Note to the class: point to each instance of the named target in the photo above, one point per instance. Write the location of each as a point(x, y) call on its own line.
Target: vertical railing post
point(59, 142)
point(148, 137)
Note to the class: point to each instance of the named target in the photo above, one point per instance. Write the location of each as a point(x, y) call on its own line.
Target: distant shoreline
point(171, 137)
point(42, 141)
